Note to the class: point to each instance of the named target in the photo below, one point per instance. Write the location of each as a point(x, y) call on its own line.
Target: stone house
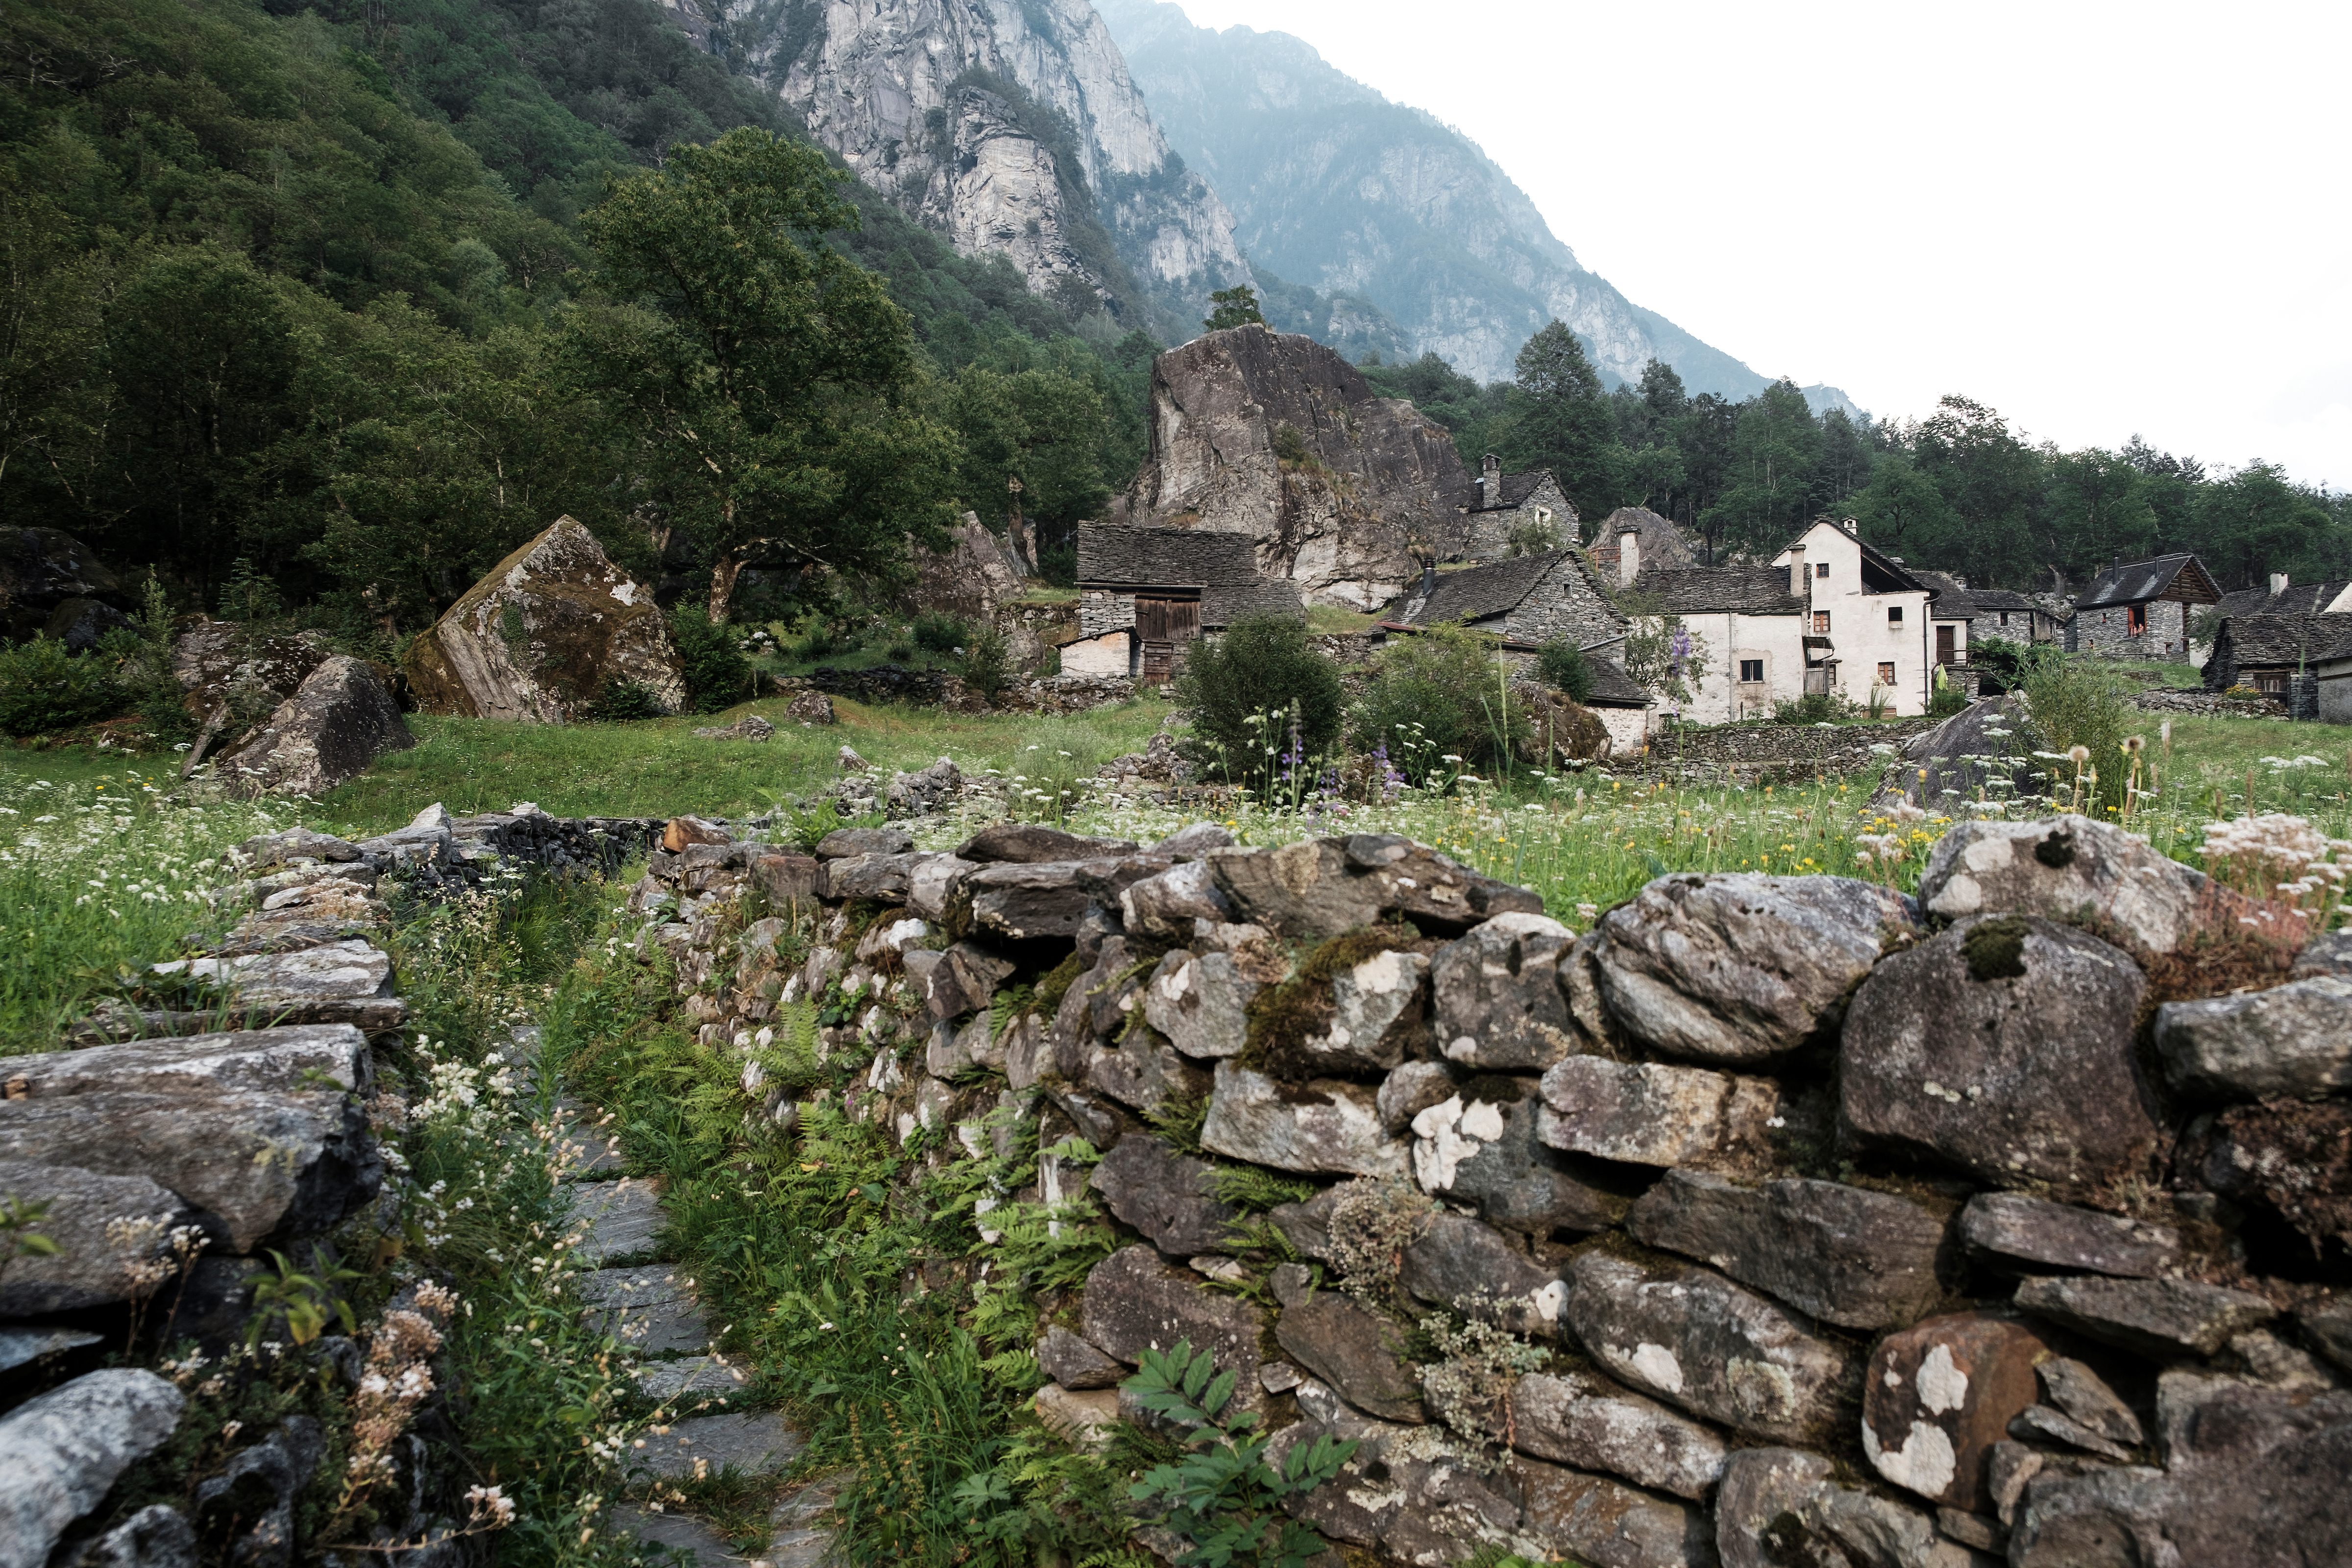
point(2141, 610)
point(2279, 596)
point(1867, 621)
point(2013, 617)
point(2272, 651)
point(1145, 593)
point(1634, 537)
point(1751, 621)
point(1951, 613)
point(1504, 504)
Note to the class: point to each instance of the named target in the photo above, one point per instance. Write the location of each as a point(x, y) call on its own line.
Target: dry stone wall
point(1774, 1220)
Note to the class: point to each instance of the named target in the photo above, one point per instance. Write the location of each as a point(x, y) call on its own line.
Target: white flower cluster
point(2278, 856)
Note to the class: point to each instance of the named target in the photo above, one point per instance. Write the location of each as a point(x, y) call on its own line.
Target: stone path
point(650, 1307)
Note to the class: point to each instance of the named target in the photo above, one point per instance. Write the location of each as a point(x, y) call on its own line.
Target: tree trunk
point(722, 587)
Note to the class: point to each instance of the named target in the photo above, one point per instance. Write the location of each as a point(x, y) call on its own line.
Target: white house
point(1867, 621)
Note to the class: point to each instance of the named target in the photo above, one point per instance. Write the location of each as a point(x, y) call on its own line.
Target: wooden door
point(1944, 651)
point(1163, 625)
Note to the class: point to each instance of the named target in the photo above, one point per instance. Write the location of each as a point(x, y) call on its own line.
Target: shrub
point(2077, 702)
point(1533, 537)
point(716, 674)
point(987, 662)
point(1261, 665)
point(939, 632)
point(1058, 565)
point(1437, 695)
point(1813, 708)
point(44, 687)
point(622, 702)
point(900, 652)
point(1561, 665)
point(1947, 696)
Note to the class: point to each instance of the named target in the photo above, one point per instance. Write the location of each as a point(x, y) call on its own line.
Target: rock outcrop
point(1277, 436)
point(337, 720)
point(51, 583)
point(538, 638)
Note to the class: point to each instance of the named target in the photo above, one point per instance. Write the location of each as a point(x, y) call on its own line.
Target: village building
point(2270, 652)
point(1644, 537)
point(1867, 626)
point(2013, 617)
point(1952, 612)
point(1748, 624)
point(2142, 610)
point(1144, 593)
point(1510, 512)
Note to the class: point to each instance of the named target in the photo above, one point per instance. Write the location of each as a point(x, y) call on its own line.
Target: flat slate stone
point(2021, 1230)
point(676, 1533)
point(304, 1056)
point(2293, 1039)
point(88, 1268)
point(2164, 1318)
point(755, 1443)
point(1169, 1197)
point(60, 1454)
point(336, 983)
point(622, 1219)
point(692, 1375)
point(599, 1146)
point(649, 1310)
point(22, 1347)
point(803, 1539)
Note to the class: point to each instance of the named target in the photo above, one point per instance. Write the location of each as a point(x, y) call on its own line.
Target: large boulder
point(2003, 1047)
point(60, 1454)
point(2073, 868)
point(1323, 888)
point(1978, 753)
point(538, 637)
point(339, 720)
point(1362, 478)
point(1739, 967)
point(970, 578)
point(42, 568)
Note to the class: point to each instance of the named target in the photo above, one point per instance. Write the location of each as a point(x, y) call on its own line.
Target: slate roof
point(1951, 601)
point(1612, 687)
point(2139, 581)
point(1517, 489)
point(2003, 599)
point(1480, 592)
point(2300, 598)
point(1712, 590)
point(1222, 604)
point(2288, 639)
point(1222, 566)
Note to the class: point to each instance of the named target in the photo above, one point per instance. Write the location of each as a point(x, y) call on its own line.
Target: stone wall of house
point(2107, 631)
point(1565, 607)
point(1995, 1223)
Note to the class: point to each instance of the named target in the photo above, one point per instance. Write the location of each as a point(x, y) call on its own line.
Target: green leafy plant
point(1222, 1494)
point(44, 688)
point(937, 633)
point(308, 1301)
point(1562, 667)
point(1946, 697)
point(17, 1236)
point(1439, 692)
point(987, 662)
point(716, 674)
point(1262, 665)
point(624, 701)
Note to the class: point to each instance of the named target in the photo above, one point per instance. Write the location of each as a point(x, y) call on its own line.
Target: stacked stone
point(1998, 1224)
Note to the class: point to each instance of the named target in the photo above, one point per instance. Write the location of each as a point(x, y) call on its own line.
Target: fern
point(1254, 1189)
point(1179, 1124)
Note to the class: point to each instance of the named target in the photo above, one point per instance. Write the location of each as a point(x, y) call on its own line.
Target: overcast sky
point(2098, 218)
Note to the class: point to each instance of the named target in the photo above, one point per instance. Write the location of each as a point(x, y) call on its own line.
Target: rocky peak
point(1279, 437)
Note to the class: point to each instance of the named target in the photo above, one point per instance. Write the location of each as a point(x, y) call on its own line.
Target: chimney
point(1628, 556)
point(1958, 581)
point(1797, 577)
point(1852, 527)
point(1490, 482)
point(2278, 583)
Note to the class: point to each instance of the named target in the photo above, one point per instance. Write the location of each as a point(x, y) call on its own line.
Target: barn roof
point(2288, 640)
point(2140, 581)
point(1714, 590)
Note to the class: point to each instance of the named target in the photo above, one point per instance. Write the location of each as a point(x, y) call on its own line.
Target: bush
point(1261, 665)
point(1813, 708)
point(2077, 702)
point(1947, 696)
point(1561, 665)
point(987, 662)
point(716, 674)
point(1438, 695)
point(900, 652)
point(43, 688)
point(1058, 565)
point(622, 702)
point(941, 633)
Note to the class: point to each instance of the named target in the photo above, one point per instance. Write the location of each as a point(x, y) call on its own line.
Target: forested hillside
point(313, 291)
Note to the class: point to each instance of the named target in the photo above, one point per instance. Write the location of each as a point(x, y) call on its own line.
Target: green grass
point(1332, 620)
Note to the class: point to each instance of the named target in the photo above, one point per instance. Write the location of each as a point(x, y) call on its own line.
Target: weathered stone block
point(1322, 1126)
point(88, 1269)
point(1165, 905)
point(1652, 1114)
point(2074, 869)
point(1028, 843)
point(2293, 1040)
point(1356, 1350)
point(1486, 1150)
point(1377, 1015)
point(2162, 1319)
point(1074, 1362)
point(1199, 1003)
point(1169, 1197)
point(2020, 1232)
point(1134, 1301)
point(61, 1452)
point(1458, 1265)
point(1324, 887)
point(1499, 1006)
point(1939, 1396)
point(848, 843)
point(1591, 1423)
point(1593, 1520)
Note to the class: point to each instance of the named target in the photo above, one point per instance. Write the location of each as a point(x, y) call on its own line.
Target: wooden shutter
point(1151, 618)
point(1945, 653)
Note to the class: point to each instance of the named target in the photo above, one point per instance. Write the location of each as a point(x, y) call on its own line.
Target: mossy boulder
point(540, 636)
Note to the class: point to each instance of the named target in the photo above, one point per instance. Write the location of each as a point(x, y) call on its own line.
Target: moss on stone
point(1995, 949)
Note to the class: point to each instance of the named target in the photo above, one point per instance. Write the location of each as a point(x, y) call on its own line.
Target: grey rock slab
point(157, 1536)
point(336, 982)
point(2043, 1424)
point(2072, 869)
point(683, 1532)
point(1074, 1364)
point(1356, 1350)
point(267, 849)
point(1650, 1113)
point(1200, 1003)
point(1324, 888)
point(615, 1219)
point(1498, 1002)
point(2330, 953)
point(754, 1443)
point(2017, 1231)
point(1085, 1418)
point(1323, 1126)
point(1019, 900)
point(1135, 1301)
point(61, 1452)
point(1779, 1506)
point(884, 878)
point(22, 1347)
point(1485, 1150)
point(2162, 1319)
point(1027, 843)
point(2085, 1396)
point(1169, 1197)
point(1378, 1014)
point(1760, 1487)
point(88, 1269)
point(1938, 1399)
point(1194, 839)
point(1738, 967)
point(1458, 1265)
point(690, 1378)
point(932, 884)
point(1859, 1259)
point(2002, 1046)
point(1590, 1424)
point(339, 720)
point(961, 979)
point(1145, 1074)
point(255, 1166)
point(2109, 1517)
point(2328, 1329)
point(843, 843)
point(308, 1055)
point(1165, 905)
point(2293, 1039)
point(1307, 1225)
point(1410, 1089)
point(1708, 1346)
point(1593, 1520)
point(650, 1309)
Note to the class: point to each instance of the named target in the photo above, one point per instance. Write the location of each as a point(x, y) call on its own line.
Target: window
point(1821, 568)
point(2137, 620)
point(1894, 615)
point(1821, 623)
point(2004, 618)
point(2271, 682)
point(1886, 675)
point(1751, 670)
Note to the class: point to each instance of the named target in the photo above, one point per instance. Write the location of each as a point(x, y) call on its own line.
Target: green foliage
point(1434, 701)
point(1044, 426)
point(1222, 1496)
point(987, 662)
point(1263, 663)
point(1254, 1189)
point(1562, 667)
point(622, 702)
point(1558, 418)
point(2073, 702)
point(1234, 307)
point(20, 1237)
point(1058, 565)
point(300, 1305)
point(716, 674)
point(43, 688)
point(937, 633)
point(1946, 697)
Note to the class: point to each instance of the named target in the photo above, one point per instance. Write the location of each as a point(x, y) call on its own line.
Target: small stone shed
point(2273, 653)
point(1527, 601)
point(2141, 610)
point(2011, 615)
point(1503, 504)
point(1145, 593)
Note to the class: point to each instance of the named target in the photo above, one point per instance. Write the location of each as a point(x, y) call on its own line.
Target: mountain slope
point(1331, 184)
